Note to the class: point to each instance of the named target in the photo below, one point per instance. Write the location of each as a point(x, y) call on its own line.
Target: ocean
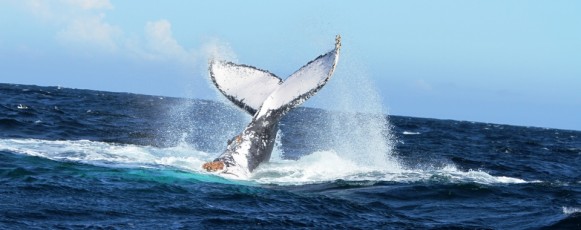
point(82, 159)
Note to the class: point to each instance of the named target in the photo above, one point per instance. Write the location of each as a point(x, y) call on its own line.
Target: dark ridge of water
point(39, 193)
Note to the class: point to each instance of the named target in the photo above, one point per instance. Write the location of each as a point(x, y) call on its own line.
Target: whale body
point(267, 98)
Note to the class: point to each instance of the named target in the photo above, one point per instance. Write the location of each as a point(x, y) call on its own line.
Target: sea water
point(74, 158)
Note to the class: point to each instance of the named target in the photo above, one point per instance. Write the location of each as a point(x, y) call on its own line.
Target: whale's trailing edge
point(268, 99)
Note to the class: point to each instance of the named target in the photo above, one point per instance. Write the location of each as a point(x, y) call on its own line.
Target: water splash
point(206, 126)
point(202, 124)
point(357, 127)
point(318, 167)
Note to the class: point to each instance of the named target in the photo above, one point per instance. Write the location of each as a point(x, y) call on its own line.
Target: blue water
point(75, 159)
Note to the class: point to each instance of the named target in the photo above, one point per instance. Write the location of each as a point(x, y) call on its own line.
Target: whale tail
point(261, 93)
point(267, 98)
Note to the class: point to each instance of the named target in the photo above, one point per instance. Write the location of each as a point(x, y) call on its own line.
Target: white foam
point(454, 175)
point(570, 210)
point(327, 166)
point(410, 133)
point(313, 168)
point(318, 167)
point(110, 155)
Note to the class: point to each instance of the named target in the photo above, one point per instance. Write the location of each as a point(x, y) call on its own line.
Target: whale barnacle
point(213, 166)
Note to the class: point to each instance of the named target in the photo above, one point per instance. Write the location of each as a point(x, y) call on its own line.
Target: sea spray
point(205, 125)
point(200, 123)
point(357, 126)
point(350, 140)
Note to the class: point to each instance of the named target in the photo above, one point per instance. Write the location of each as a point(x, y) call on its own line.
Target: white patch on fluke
point(309, 77)
point(247, 85)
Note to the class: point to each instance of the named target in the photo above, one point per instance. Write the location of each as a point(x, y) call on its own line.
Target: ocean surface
point(81, 159)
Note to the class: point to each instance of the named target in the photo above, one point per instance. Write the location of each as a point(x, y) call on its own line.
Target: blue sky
point(508, 62)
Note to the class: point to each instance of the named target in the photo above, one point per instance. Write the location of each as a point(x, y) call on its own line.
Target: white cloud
point(39, 8)
point(61, 10)
point(162, 44)
point(82, 25)
point(90, 4)
point(91, 30)
point(79, 23)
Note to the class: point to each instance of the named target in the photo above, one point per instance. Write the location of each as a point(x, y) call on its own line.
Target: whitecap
point(410, 133)
point(109, 154)
point(318, 167)
point(571, 210)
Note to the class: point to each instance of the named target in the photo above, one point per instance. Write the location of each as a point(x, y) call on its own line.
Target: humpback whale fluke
point(267, 98)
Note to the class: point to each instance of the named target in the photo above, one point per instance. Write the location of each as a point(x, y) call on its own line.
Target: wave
point(321, 167)
point(410, 133)
point(107, 154)
point(570, 210)
point(318, 167)
point(6, 123)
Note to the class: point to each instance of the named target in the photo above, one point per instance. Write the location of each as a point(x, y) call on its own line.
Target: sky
point(505, 62)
